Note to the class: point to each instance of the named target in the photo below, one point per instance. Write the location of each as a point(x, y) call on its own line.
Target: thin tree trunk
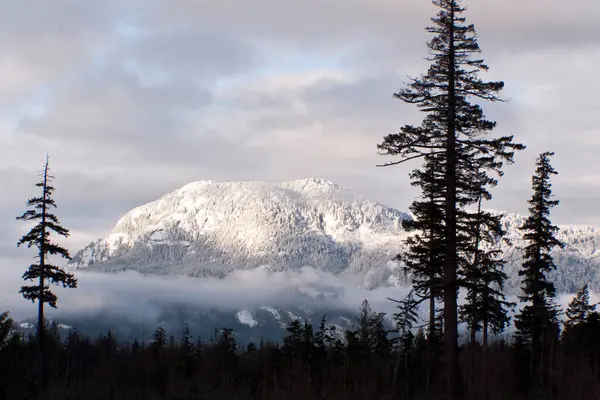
point(42, 266)
point(431, 356)
point(485, 333)
point(450, 266)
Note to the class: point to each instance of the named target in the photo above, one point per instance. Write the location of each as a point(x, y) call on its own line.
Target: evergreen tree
point(424, 258)
point(579, 308)
point(406, 316)
point(187, 349)
point(324, 336)
point(537, 323)
point(369, 334)
point(187, 343)
point(482, 273)
point(405, 319)
point(295, 334)
point(300, 340)
point(39, 237)
point(454, 128)
point(6, 328)
point(159, 338)
point(226, 341)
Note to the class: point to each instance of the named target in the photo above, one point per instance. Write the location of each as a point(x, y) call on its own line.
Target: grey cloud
point(510, 25)
point(116, 105)
point(303, 24)
point(46, 41)
point(201, 52)
point(130, 293)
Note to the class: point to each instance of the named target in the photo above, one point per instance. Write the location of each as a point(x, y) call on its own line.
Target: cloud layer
point(130, 296)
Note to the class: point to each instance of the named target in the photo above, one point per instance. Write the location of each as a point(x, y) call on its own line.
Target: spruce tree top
point(444, 93)
point(540, 233)
point(580, 308)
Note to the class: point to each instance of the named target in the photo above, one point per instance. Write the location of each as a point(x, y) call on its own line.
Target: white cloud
point(130, 293)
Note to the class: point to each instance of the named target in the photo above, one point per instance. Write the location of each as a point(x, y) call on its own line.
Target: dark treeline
point(312, 362)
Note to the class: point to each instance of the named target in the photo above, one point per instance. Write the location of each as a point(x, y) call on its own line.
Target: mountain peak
point(210, 228)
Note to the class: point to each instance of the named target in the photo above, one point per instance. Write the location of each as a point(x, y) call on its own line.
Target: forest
point(454, 249)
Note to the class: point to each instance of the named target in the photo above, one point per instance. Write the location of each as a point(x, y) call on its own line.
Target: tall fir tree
point(39, 237)
point(454, 128)
point(537, 322)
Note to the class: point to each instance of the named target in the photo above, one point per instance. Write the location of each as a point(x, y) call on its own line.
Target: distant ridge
point(209, 228)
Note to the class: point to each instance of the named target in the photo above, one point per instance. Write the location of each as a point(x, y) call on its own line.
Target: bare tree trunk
point(450, 266)
point(42, 257)
point(431, 356)
point(485, 334)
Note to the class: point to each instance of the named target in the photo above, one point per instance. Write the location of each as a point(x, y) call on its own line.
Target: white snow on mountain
point(272, 311)
point(212, 228)
point(246, 317)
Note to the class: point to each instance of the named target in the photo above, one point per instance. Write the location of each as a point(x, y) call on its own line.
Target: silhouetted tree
point(187, 343)
point(84, 369)
point(6, 328)
point(579, 308)
point(423, 259)
point(407, 315)
point(39, 237)
point(453, 128)
point(537, 323)
point(43, 270)
point(159, 338)
point(405, 319)
point(369, 334)
point(482, 273)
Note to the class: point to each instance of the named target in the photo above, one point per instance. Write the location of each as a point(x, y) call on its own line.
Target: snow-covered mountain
point(211, 228)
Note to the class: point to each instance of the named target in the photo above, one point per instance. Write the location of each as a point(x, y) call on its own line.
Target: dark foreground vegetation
point(312, 363)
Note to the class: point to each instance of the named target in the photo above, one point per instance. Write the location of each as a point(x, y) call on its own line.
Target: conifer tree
point(187, 343)
point(455, 129)
point(159, 338)
point(538, 321)
point(324, 336)
point(424, 258)
point(369, 334)
point(482, 273)
point(39, 237)
point(579, 308)
point(186, 349)
point(406, 317)
point(6, 328)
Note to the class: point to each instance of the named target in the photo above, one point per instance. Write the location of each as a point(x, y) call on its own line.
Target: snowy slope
point(211, 228)
point(578, 262)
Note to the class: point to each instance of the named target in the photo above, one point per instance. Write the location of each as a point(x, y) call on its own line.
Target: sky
point(135, 98)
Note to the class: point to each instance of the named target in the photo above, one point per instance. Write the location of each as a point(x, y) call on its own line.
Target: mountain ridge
point(210, 228)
